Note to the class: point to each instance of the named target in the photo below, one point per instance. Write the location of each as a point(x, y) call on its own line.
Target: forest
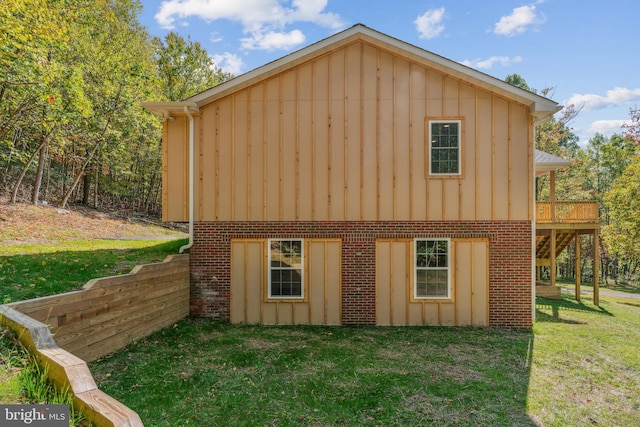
point(73, 74)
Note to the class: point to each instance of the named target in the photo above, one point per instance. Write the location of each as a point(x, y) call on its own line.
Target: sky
point(587, 51)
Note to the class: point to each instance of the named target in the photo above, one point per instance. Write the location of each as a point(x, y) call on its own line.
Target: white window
point(444, 147)
point(432, 269)
point(286, 270)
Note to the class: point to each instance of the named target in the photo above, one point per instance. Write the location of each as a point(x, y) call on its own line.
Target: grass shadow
point(544, 305)
point(631, 304)
point(630, 288)
point(621, 285)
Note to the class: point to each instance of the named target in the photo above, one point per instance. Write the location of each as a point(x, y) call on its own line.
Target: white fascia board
point(168, 109)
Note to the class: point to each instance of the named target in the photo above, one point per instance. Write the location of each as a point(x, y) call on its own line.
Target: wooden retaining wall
point(106, 315)
point(69, 371)
point(110, 313)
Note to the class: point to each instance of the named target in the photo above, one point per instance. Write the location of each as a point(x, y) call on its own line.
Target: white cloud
point(229, 63)
point(312, 11)
point(606, 127)
point(272, 40)
point(615, 96)
point(245, 11)
point(429, 24)
point(263, 20)
point(215, 37)
point(488, 63)
point(520, 19)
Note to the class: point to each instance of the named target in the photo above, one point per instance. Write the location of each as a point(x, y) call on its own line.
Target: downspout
point(191, 173)
point(533, 230)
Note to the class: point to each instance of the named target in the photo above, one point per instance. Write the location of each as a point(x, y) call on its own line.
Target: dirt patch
point(20, 223)
point(261, 344)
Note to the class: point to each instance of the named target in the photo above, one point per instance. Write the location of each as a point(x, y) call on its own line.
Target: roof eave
point(168, 109)
point(545, 162)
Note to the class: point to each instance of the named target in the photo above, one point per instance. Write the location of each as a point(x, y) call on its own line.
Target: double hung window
point(444, 147)
point(432, 269)
point(286, 268)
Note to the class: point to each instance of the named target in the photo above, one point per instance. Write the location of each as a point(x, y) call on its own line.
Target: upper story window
point(444, 147)
point(286, 270)
point(432, 275)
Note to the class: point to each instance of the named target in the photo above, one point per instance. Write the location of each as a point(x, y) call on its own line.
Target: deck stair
point(543, 243)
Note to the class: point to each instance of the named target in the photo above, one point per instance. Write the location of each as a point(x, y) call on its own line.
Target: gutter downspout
point(191, 173)
point(533, 230)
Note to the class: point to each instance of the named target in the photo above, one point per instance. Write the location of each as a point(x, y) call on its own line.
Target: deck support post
point(552, 195)
point(577, 266)
point(552, 259)
point(596, 265)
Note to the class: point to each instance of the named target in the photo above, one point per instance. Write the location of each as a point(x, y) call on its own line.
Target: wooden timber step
point(548, 291)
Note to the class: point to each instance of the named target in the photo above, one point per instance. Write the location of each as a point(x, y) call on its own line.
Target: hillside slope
point(20, 223)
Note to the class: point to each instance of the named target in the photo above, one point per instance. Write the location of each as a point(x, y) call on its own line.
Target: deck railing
point(567, 212)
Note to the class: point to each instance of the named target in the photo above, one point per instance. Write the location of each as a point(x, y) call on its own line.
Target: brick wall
point(509, 270)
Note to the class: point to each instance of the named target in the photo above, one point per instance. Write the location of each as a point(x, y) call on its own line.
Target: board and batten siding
point(469, 303)
point(342, 137)
point(250, 302)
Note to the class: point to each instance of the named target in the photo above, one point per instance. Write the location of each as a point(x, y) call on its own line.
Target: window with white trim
point(444, 147)
point(432, 273)
point(286, 271)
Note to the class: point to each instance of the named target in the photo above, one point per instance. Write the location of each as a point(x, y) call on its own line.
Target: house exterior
point(360, 180)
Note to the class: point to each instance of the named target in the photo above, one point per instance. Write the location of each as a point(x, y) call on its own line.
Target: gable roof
point(540, 106)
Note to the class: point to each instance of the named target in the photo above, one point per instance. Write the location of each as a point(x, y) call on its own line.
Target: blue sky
point(588, 51)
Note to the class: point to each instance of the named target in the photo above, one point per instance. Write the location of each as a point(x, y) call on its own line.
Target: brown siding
point(342, 138)
point(175, 169)
point(469, 303)
point(249, 282)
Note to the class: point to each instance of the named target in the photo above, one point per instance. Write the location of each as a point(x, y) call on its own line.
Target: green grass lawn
point(579, 366)
point(586, 363)
point(204, 373)
point(35, 270)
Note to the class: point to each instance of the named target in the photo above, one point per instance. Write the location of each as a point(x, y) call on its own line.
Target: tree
point(116, 80)
point(31, 98)
point(622, 234)
point(185, 68)
point(632, 129)
point(517, 80)
point(608, 159)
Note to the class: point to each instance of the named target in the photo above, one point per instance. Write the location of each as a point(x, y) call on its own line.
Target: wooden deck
point(557, 225)
point(577, 215)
